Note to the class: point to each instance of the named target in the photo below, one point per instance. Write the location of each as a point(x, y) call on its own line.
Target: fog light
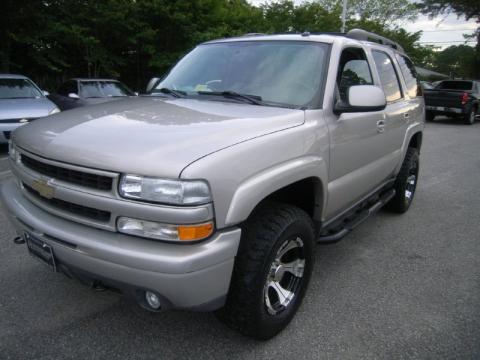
point(152, 300)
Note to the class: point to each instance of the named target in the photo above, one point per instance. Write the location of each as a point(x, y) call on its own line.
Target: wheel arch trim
point(258, 187)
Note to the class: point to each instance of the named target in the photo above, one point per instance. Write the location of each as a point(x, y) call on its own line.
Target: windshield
point(18, 89)
point(277, 72)
point(95, 89)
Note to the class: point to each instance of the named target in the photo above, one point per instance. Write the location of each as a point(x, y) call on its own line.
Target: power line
point(448, 30)
point(447, 42)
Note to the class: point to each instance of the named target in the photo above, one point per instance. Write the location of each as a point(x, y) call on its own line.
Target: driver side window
point(353, 70)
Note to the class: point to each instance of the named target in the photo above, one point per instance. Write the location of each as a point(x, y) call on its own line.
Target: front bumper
point(185, 276)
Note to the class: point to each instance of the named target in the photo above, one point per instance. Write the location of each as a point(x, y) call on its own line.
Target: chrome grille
point(75, 209)
point(88, 180)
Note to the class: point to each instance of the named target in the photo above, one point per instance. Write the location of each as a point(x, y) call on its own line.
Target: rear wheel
point(271, 272)
point(406, 182)
point(469, 118)
point(429, 116)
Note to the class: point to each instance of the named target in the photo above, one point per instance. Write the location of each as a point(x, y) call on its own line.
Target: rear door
point(397, 112)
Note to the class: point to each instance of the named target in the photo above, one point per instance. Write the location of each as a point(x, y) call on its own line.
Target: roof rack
point(359, 34)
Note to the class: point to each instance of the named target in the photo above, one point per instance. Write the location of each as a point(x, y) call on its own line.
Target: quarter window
point(388, 75)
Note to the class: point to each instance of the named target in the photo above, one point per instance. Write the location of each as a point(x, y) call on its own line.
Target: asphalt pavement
point(398, 287)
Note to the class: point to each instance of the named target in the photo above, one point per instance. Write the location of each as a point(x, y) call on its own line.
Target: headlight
point(168, 191)
point(54, 111)
point(167, 232)
point(12, 152)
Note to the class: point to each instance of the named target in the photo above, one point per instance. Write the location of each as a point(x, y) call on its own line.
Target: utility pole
point(344, 15)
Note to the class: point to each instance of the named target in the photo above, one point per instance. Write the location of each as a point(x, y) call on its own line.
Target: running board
point(351, 222)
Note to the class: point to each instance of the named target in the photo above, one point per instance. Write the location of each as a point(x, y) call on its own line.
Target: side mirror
point(151, 84)
point(362, 98)
point(73, 96)
point(45, 93)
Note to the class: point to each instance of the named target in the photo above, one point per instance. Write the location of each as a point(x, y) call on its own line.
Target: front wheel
point(272, 271)
point(406, 182)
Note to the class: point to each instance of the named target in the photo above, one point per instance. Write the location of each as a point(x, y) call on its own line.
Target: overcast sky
point(441, 31)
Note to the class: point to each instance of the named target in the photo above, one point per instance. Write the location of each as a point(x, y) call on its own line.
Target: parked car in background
point(454, 98)
point(21, 101)
point(78, 92)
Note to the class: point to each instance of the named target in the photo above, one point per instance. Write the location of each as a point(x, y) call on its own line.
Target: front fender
point(256, 188)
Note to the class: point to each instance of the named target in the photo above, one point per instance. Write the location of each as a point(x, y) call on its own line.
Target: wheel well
point(305, 194)
point(416, 141)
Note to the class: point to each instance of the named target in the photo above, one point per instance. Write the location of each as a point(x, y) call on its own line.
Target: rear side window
point(455, 85)
point(410, 75)
point(353, 70)
point(388, 75)
point(68, 87)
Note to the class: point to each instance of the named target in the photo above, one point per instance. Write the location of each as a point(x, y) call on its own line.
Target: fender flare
point(257, 187)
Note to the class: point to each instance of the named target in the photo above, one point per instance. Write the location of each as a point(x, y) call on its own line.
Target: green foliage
point(51, 40)
point(471, 10)
point(458, 61)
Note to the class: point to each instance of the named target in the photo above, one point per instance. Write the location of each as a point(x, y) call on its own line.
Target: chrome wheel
point(285, 276)
point(412, 179)
point(411, 182)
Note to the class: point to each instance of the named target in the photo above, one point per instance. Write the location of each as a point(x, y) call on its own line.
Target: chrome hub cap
point(284, 276)
point(411, 180)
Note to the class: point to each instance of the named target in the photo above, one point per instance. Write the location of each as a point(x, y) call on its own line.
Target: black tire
point(429, 116)
point(469, 118)
point(404, 188)
point(269, 231)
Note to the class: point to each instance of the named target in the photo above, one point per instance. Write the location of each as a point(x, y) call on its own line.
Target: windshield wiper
point(173, 92)
point(252, 99)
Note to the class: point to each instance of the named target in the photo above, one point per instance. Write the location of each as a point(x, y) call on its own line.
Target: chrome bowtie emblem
point(43, 188)
point(24, 121)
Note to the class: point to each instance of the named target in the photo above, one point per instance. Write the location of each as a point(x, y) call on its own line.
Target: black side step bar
point(352, 221)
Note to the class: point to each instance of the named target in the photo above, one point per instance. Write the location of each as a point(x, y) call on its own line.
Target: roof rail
point(359, 34)
point(253, 34)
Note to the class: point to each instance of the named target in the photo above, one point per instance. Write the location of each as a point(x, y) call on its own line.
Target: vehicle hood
point(25, 108)
point(149, 135)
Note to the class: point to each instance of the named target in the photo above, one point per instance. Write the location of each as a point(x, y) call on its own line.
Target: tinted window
point(455, 85)
point(280, 72)
point(18, 89)
point(388, 76)
point(410, 75)
point(69, 87)
point(353, 70)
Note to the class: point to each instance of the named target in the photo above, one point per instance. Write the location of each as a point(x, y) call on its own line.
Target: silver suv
point(210, 193)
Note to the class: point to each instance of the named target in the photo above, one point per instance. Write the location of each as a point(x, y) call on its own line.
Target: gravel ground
point(397, 287)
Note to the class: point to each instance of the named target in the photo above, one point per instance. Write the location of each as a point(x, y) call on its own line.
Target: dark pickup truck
point(454, 98)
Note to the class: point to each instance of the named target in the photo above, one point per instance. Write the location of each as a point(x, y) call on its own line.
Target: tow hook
point(19, 240)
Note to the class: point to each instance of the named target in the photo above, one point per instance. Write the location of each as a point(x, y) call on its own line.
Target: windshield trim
point(317, 101)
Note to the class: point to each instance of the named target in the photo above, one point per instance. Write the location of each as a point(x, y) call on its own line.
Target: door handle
point(381, 126)
point(406, 115)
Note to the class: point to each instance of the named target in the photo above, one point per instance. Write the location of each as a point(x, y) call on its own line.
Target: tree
point(456, 60)
point(468, 8)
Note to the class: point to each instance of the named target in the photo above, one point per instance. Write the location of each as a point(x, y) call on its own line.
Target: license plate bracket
point(41, 251)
